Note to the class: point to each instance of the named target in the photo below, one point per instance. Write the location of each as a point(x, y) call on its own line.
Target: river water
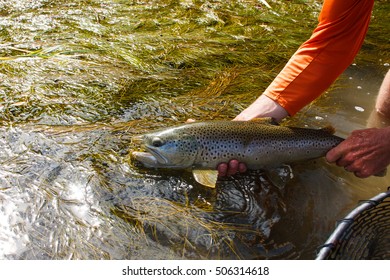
point(79, 78)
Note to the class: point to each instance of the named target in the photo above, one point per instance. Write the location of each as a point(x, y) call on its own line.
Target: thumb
point(333, 155)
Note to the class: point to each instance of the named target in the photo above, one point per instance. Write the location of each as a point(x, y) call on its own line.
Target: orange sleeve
point(320, 60)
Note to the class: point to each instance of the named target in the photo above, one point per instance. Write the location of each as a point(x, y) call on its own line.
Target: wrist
point(263, 107)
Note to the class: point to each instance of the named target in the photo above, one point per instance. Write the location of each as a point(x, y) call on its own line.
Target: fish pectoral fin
point(207, 178)
point(279, 176)
point(265, 120)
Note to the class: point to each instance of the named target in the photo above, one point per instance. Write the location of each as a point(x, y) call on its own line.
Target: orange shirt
point(320, 60)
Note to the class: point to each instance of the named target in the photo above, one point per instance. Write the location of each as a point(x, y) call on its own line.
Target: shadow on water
point(76, 85)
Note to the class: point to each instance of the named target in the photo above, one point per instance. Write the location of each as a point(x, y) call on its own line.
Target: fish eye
point(157, 142)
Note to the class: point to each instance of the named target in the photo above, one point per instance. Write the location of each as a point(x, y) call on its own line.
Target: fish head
point(167, 149)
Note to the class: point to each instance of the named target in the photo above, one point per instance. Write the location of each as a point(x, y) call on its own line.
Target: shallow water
point(78, 79)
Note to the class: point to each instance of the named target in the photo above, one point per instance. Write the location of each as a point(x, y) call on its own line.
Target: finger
point(233, 167)
point(381, 173)
point(222, 169)
point(364, 172)
point(242, 167)
point(359, 169)
point(361, 174)
point(334, 154)
point(349, 168)
point(343, 161)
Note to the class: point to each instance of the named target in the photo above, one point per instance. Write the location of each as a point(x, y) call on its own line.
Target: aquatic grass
point(182, 228)
point(79, 78)
point(42, 53)
point(161, 49)
point(377, 43)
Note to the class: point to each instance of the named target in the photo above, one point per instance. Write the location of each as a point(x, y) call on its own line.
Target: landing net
point(364, 234)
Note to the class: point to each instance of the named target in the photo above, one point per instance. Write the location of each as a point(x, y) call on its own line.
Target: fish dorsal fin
point(207, 178)
point(265, 120)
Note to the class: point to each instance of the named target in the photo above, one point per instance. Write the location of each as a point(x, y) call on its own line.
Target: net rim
point(342, 225)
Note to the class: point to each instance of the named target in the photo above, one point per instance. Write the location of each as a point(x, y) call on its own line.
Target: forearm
point(318, 62)
point(382, 105)
point(321, 59)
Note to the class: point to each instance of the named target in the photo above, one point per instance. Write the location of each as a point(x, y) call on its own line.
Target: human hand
point(365, 152)
point(230, 168)
point(262, 107)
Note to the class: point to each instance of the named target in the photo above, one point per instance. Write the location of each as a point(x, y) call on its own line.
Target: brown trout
point(260, 144)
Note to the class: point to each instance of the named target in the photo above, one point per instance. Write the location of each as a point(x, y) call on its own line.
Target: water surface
point(79, 78)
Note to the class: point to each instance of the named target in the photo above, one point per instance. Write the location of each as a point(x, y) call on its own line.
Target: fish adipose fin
point(329, 129)
point(207, 178)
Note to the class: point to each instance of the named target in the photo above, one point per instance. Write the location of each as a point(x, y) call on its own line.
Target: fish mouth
point(147, 159)
point(149, 155)
point(154, 152)
point(150, 158)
